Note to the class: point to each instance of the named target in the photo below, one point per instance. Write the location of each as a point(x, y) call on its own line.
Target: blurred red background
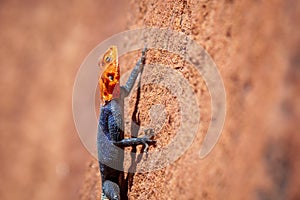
point(42, 46)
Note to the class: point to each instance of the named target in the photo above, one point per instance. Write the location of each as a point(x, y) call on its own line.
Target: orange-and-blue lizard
point(111, 127)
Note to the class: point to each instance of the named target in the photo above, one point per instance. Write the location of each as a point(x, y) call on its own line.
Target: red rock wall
point(255, 45)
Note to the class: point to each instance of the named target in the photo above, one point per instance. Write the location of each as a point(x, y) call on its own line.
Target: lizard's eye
point(107, 59)
point(111, 77)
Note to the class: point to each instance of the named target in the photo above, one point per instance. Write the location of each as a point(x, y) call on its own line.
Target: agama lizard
point(111, 127)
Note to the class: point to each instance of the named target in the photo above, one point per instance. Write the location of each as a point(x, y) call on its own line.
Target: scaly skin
point(110, 128)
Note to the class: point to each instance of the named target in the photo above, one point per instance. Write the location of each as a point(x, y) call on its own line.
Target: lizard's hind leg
point(111, 190)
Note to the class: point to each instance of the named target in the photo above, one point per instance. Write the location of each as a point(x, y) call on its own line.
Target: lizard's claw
point(146, 146)
point(144, 50)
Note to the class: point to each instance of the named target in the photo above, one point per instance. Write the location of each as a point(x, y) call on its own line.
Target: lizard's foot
point(146, 140)
point(149, 132)
point(103, 197)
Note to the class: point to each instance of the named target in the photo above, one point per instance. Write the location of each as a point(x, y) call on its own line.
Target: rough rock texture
point(256, 46)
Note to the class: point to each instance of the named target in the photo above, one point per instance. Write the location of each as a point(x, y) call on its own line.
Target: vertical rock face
point(256, 47)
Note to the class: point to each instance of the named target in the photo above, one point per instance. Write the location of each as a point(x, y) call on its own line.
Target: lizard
point(110, 124)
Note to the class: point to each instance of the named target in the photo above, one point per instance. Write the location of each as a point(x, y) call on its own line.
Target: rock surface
point(256, 46)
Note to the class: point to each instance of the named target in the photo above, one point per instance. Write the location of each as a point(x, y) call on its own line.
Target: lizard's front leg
point(134, 73)
point(145, 140)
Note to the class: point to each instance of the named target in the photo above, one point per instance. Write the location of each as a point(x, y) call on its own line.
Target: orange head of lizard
point(110, 77)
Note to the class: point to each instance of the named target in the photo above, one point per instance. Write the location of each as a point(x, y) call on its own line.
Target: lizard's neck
point(113, 101)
